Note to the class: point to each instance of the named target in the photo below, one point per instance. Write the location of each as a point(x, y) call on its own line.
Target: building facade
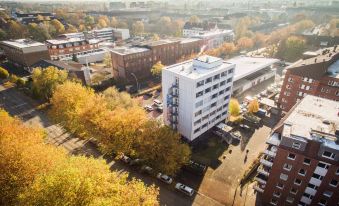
point(196, 94)
point(24, 52)
point(140, 58)
point(317, 76)
point(301, 163)
point(64, 49)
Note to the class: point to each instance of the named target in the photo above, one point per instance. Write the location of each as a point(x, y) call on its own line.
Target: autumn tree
point(291, 49)
point(253, 106)
point(108, 60)
point(38, 33)
point(59, 27)
point(45, 81)
point(89, 21)
point(138, 28)
point(16, 30)
point(245, 43)
point(194, 19)
point(3, 35)
point(164, 25)
point(3, 73)
point(161, 147)
point(156, 69)
point(114, 22)
point(115, 99)
point(234, 107)
point(334, 27)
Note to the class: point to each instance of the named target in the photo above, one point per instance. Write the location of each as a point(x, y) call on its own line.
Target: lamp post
point(136, 79)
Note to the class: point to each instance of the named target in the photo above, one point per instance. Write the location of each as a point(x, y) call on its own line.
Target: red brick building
point(63, 49)
point(318, 76)
point(301, 163)
point(138, 60)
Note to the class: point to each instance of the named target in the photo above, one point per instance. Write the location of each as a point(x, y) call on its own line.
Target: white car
point(164, 178)
point(148, 108)
point(184, 189)
point(126, 159)
point(157, 102)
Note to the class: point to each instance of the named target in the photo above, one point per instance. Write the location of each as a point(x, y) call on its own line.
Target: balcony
point(315, 181)
point(258, 188)
point(266, 163)
point(306, 200)
point(270, 153)
point(320, 171)
point(261, 179)
point(310, 191)
point(263, 171)
point(274, 139)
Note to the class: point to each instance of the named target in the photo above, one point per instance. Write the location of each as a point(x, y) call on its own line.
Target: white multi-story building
point(196, 94)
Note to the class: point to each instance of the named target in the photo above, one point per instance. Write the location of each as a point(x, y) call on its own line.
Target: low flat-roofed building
point(301, 162)
point(250, 71)
point(24, 52)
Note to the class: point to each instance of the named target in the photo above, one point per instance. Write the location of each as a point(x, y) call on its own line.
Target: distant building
point(318, 75)
point(140, 58)
point(196, 94)
point(27, 18)
point(209, 33)
point(64, 49)
point(301, 163)
point(24, 52)
point(104, 35)
point(251, 71)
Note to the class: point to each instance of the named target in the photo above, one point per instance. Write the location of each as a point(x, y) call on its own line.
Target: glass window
point(302, 172)
point(200, 83)
point(334, 183)
point(307, 161)
point(287, 167)
point(291, 156)
point(207, 90)
point(283, 176)
point(208, 80)
point(329, 155)
point(297, 181)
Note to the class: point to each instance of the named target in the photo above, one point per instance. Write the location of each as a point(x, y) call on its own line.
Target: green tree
point(291, 49)
point(156, 69)
point(89, 21)
point(234, 107)
point(3, 73)
point(38, 33)
point(45, 81)
point(3, 35)
point(108, 60)
point(16, 30)
point(116, 99)
point(75, 58)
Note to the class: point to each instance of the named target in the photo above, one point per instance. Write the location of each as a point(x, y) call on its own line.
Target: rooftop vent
point(327, 122)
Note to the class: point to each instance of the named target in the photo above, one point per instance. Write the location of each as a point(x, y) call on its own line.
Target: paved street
point(23, 107)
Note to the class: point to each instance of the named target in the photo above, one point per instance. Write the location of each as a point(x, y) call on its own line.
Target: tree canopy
point(234, 107)
point(156, 69)
point(253, 106)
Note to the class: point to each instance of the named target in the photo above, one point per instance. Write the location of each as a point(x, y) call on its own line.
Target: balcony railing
point(258, 188)
point(263, 171)
point(270, 153)
point(266, 162)
point(274, 139)
point(261, 179)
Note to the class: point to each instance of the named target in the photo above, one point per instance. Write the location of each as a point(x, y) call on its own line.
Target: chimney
point(315, 60)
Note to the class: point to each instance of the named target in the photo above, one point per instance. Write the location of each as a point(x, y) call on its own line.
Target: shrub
point(20, 82)
point(13, 78)
point(3, 73)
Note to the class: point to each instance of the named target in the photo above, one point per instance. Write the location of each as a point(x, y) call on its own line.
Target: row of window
point(214, 87)
point(210, 114)
point(212, 121)
point(215, 78)
point(211, 106)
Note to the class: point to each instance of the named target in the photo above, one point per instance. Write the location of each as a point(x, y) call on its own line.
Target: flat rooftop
point(314, 113)
point(245, 66)
point(128, 50)
point(193, 70)
point(22, 43)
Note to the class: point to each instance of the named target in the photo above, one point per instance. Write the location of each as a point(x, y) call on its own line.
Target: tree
point(38, 33)
point(234, 107)
point(75, 58)
point(89, 21)
point(164, 25)
point(303, 25)
point(156, 69)
point(114, 22)
point(3, 73)
point(16, 30)
point(35, 173)
point(260, 39)
point(138, 28)
point(3, 35)
point(177, 27)
point(71, 29)
point(194, 19)
point(116, 99)
point(59, 27)
point(291, 49)
point(245, 43)
point(334, 27)
point(102, 23)
point(161, 147)
point(253, 106)
point(108, 60)
point(45, 81)
point(155, 37)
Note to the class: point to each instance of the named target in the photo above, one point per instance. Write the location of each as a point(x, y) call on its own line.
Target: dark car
point(246, 128)
point(195, 167)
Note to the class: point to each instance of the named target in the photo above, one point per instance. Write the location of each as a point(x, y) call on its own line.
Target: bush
point(13, 78)
point(3, 73)
point(20, 82)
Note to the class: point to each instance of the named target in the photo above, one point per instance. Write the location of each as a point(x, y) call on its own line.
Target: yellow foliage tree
point(253, 106)
point(156, 69)
point(234, 107)
point(59, 27)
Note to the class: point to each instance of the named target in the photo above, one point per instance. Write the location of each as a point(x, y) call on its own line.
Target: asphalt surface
point(17, 104)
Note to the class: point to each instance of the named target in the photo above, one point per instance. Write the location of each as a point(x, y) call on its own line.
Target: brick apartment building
point(138, 60)
point(318, 75)
point(63, 49)
point(24, 52)
point(301, 163)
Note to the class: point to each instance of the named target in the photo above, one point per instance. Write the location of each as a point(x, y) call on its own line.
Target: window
point(223, 74)
point(287, 167)
point(274, 201)
point(277, 194)
point(312, 186)
point(200, 83)
point(214, 96)
point(308, 196)
point(334, 183)
point(214, 104)
point(323, 165)
point(197, 130)
point(215, 86)
point(337, 172)
point(216, 77)
point(291, 156)
point(307, 161)
point(230, 71)
point(283, 176)
point(322, 202)
point(197, 122)
point(221, 92)
point(329, 155)
point(328, 193)
point(229, 80)
point(293, 191)
point(290, 79)
point(227, 97)
point(208, 80)
point(198, 113)
point(289, 199)
point(302, 172)
point(199, 94)
point(296, 145)
point(297, 181)
point(222, 83)
point(207, 90)
point(228, 89)
point(319, 177)
point(198, 104)
point(280, 185)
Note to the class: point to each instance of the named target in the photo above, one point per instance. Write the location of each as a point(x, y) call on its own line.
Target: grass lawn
point(209, 151)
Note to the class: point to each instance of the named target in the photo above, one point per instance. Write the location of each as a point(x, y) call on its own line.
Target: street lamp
point(136, 79)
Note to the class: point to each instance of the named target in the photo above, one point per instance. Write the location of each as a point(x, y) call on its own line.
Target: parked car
point(184, 189)
point(261, 112)
point(136, 162)
point(195, 167)
point(126, 159)
point(147, 169)
point(166, 179)
point(148, 108)
point(157, 102)
point(236, 136)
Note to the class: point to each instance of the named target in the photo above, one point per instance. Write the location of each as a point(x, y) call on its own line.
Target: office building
point(24, 52)
point(317, 75)
point(196, 94)
point(301, 163)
